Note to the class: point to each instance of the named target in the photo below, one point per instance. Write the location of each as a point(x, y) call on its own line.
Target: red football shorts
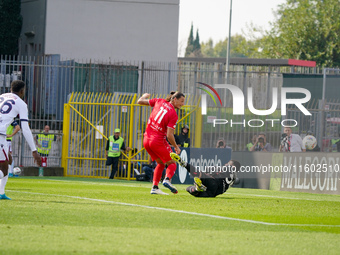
point(157, 148)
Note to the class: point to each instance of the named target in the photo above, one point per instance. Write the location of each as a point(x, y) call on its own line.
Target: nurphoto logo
point(238, 104)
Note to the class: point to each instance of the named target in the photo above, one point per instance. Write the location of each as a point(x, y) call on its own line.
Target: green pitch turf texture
point(99, 216)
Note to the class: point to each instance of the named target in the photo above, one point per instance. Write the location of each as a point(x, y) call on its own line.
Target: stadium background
point(84, 102)
point(85, 62)
point(100, 93)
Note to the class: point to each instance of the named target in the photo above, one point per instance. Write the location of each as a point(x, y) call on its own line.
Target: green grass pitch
point(99, 216)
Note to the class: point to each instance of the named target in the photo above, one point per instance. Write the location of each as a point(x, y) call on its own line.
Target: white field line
point(228, 192)
point(180, 211)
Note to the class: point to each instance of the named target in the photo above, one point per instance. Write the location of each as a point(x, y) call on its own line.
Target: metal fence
point(50, 81)
point(90, 118)
point(22, 154)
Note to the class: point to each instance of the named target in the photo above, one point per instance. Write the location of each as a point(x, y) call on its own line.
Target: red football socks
point(170, 171)
point(157, 174)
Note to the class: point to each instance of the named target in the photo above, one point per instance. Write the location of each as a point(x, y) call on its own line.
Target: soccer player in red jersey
point(161, 125)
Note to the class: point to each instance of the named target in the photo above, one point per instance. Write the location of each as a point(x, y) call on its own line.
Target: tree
point(306, 30)
point(190, 45)
point(197, 46)
point(10, 26)
point(251, 47)
point(193, 48)
point(220, 49)
point(207, 49)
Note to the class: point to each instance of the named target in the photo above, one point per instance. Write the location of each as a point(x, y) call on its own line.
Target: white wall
point(113, 29)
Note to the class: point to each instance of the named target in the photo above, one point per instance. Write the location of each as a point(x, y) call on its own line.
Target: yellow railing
point(90, 118)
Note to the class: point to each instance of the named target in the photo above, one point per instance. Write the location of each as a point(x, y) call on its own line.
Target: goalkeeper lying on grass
point(213, 184)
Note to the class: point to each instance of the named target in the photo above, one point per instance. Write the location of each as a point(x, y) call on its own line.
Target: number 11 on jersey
point(161, 113)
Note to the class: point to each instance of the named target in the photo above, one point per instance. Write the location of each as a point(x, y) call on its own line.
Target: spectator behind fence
point(135, 164)
point(291, 142)
point(182, 139)
point(261, 143)
point(253, 140)
point(44, 141)
point(336, 144)
point(148, 170)
point(221, 143)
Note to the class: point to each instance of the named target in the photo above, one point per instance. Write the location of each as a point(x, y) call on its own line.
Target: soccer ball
point(310, 142)
point(16, 171)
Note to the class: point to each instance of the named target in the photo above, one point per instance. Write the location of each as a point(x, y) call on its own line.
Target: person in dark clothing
point(114, 145)
point(210, 185)
point(182, 139)
point(148, 170)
